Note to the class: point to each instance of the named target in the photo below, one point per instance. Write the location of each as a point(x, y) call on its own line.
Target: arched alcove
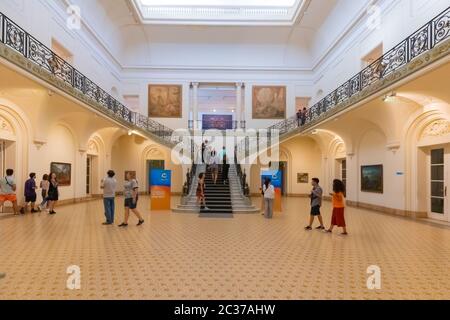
point(15, 137)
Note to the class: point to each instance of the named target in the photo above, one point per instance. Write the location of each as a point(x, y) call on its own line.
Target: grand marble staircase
point(220, 198)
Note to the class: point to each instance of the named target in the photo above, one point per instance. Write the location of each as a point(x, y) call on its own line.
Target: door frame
point(430, 214)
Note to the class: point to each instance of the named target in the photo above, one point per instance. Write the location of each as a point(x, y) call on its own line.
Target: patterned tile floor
point(182, 256)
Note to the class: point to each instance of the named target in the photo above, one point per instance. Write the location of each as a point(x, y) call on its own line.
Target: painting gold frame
point(165, 101)
point(269, 102)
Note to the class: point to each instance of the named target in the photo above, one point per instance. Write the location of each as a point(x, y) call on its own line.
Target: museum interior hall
point(224, 149)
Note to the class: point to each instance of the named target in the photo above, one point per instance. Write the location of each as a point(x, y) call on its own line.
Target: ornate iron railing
point(423, 40)
point(16, 38)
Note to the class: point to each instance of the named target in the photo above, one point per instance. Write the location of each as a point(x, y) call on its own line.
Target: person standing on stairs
point(201, 200)
point(225, 166)
point(269, 196)
point(214, 166)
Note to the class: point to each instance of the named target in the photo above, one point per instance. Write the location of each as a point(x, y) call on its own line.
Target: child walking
point(338, 199)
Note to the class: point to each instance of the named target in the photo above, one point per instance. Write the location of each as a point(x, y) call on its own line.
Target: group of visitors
point(131, 195)
point(338, 202)
point(215, 162)
point(49, 193)
point(316, 196)
point(301, 117)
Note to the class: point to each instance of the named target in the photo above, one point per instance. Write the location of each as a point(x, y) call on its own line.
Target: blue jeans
point(109, 209)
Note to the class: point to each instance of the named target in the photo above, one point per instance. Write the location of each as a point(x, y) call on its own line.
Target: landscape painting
point(63, 172)
point(269, 102)
point(165, 101)
point(302, 177)
point(372, 178)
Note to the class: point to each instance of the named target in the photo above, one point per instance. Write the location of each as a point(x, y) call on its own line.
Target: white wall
point(46, 20)
point(398, 20)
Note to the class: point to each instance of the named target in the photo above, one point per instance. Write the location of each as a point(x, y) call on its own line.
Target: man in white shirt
point(109, 185)
point(269, 196)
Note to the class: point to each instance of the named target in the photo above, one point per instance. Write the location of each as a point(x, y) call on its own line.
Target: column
point(238, 104)
point(195, 104)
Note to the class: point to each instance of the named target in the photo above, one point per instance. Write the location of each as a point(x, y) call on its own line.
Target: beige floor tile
point(182, 256)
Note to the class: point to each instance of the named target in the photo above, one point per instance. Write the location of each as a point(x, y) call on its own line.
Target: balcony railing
point(423, 40)
point(16, 38)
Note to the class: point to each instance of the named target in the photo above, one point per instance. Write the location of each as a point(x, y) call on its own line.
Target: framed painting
point(372, 178)
point(165, 101)
point(269, 102)
point(63, 172)
point(302, 177)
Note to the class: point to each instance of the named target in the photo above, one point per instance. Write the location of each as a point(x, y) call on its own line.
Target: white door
point(439, 161)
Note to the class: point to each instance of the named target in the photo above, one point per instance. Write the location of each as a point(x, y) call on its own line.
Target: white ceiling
point(135, 45)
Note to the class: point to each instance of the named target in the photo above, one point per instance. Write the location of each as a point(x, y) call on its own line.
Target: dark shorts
point(30, 198)
point(130, 204)
point(315, 211)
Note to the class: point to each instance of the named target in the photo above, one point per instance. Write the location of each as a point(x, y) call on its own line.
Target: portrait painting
point(165, 101)
point(63, 172)
point(269, 102)
point(372, 178)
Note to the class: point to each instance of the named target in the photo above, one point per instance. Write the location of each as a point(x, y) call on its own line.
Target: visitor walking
point(30, 194)
point(303, 116)
point(214, 166)
point(8, 190)
point(299, 115)
point(338, 199)
point(269, 196)
point(200, 192)
point(53, 193)
point(108, 185)
point(204, 148)
point(225, 166)
point(316, 203)
point(131, 194)
point(44, 185)
point(263, 210)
